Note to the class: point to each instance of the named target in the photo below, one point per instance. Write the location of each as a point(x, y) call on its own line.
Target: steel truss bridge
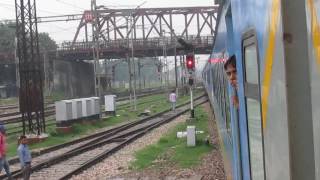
point(149, 30)
point(116, 49)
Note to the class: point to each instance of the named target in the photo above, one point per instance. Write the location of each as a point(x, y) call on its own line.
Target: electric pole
point(133, 61)
point(96, 53)
point(175, 66)
point(31, 100)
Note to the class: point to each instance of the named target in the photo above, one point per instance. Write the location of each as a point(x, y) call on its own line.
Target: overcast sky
point(61, 31)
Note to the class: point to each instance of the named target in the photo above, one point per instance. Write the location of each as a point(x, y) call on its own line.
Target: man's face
point(24, 141)
point(232, 75)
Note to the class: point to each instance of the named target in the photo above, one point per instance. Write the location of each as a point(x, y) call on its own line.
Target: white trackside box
point(77, 108)
point(63, 110)
point(110, 103)
point(86, 107)
point(95, 105)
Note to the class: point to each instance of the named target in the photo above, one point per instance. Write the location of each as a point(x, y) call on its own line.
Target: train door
point(253, 105)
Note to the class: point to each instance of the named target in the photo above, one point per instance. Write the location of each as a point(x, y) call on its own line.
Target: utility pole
point(139, 73)
point(181, 70)
point(45, 73)
point(129, 65)
point(175, 66)
point(106, 75)
point(31, 100)
point(184, 70)
point(113, 70)
point(130, 78)
point(166, 62)
point(17, 64)
point(134, 66)
point(166, 69)
point(96, 53)
point(160, 71)
point(132, 26)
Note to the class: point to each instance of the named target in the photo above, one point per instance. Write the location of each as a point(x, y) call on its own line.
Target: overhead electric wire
point(71, 5)
point(71, 29)
point(6, 4)
point(119, 5)
point(62, 28)
point(42, 10)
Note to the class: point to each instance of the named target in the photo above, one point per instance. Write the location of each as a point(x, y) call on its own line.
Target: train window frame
point(251, 90)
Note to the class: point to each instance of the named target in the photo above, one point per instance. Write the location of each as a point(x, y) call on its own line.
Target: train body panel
point(214, 74)
point(259, 140)
point(313, 28)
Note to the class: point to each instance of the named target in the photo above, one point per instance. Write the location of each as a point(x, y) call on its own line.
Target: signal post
point(190, 63)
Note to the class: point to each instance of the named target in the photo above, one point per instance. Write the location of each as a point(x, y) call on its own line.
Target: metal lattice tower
point(30, 67)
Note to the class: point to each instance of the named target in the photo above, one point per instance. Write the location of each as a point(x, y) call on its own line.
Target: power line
point(71, 5)
point(13, 7)
point(119, 5)
point(6, 4)
point(62, 28)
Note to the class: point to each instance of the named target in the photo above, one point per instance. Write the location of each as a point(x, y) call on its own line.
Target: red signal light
point(190, 61)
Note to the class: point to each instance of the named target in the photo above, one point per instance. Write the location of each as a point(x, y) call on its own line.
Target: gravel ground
point(119, 162)
point(117, 166)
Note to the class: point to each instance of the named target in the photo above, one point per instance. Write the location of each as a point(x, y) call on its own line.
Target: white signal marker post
point(191, 79)
point(191, 103)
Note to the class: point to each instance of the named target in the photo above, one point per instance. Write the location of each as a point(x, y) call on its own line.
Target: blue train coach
point(274, 133)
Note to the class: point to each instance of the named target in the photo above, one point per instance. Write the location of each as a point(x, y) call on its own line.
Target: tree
point(7, 35)
point(46, 43)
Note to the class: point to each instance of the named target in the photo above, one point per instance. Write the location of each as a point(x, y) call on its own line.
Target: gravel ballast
point(117, 165)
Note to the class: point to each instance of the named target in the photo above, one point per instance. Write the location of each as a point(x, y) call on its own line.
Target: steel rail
point(12, 117)
point(86, 147)
point(16, 106)
point(137, 134)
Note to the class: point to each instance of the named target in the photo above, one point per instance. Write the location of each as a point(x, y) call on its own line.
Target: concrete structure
point(63, 112)
point(86, 107)
point(95, 106)
point(76, 109)
point(110, 104)
point(191, 136)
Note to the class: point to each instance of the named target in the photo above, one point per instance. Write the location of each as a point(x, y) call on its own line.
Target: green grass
point(56, 96)
point(172, 150)
point(78, 130)
point(9, 101)
point(156, 104)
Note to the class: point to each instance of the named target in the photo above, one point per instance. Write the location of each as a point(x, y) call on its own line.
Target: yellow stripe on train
point(273, 26)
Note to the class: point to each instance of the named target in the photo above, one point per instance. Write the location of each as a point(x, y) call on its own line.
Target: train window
point(251, 65)
point(253, 106)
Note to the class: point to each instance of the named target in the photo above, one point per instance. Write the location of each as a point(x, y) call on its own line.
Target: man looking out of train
point(231, 71)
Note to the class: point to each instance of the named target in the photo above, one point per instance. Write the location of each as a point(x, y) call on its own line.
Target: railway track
point(51, 122)
point(16, 117)
point(15, 107)
point(65, 160)
point(51, 113)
